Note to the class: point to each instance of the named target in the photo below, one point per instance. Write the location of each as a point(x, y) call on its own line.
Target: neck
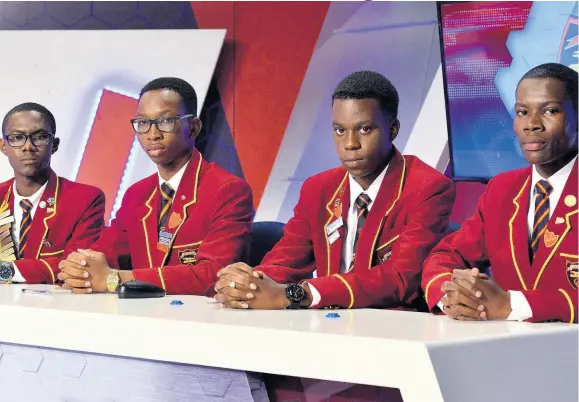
point(28, 185)
point(169, 170)
point(549, 169)
point(367, 180)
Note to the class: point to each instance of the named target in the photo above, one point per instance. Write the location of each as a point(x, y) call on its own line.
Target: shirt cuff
point(520, 307)
point(316, 297)
point(17, 278)
point(440, 305)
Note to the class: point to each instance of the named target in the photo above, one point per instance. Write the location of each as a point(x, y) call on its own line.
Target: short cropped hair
point(369, 85)
point(182, 87)
point(560, 72)
point(31, 107)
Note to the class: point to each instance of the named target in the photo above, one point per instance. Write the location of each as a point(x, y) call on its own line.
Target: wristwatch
point(6, 271)
point(113, 280)
point(296, 294)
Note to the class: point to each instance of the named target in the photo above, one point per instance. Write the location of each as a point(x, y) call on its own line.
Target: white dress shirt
point(18, 211)
point(352, 225)
point(176, 179)
point(520, 307)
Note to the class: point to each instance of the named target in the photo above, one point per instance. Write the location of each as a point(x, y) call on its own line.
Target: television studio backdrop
point(264, 75)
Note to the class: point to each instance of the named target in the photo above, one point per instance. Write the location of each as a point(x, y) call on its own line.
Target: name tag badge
point(333, 237)
point(335, 225)
point(164, 241)
point(165, 235)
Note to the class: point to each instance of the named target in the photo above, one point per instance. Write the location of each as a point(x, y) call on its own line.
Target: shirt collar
point(557, 180)
point(372, 192)
point(34, 198)
point(176, 179)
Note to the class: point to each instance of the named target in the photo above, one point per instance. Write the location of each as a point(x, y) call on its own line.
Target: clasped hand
point(242, 287)
point(84, 272)
point(472, 295)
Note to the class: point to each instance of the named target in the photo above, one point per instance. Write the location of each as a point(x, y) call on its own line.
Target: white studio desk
point(429, 358)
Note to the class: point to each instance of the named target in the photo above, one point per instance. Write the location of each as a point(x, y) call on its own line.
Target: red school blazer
point(72, 218)
point(209, 221)
point(408, 218)
point(497, 234)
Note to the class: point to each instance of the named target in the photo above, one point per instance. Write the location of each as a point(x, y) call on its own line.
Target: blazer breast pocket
point(384, 251)
point(187, 253)
point(571, 268)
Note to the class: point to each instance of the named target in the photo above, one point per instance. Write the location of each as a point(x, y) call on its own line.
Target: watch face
point(295, 293)
point(5, 271)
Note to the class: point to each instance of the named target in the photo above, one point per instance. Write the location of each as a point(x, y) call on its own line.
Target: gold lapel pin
point(570, 200)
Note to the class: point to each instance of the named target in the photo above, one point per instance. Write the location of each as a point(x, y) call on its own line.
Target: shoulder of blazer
point(80, 191)
point(511, 180)
point(5, 186)
point(324, 183)
point(418, 170)
point(213, 177)
point(142, 189)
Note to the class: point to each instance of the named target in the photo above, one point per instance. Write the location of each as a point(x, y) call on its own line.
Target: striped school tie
point(362, 203)
point(167, 193)
point(24, 226)
point(542, 191)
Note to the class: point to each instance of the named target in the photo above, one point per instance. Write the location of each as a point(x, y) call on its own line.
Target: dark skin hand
point(253, 289)
point(460, 304)
point(496, 300)
point(86, 271)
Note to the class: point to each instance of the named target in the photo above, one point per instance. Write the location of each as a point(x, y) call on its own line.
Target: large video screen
point(486, 49)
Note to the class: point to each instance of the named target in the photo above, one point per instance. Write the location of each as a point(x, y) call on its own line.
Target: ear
point(196, 126)
point(394, 129)
point(3, 145)
point(55, 144)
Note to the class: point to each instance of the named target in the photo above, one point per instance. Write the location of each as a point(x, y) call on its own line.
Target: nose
point(28, 145)
point(154, 134)
point(352, 141)
point(534, 123)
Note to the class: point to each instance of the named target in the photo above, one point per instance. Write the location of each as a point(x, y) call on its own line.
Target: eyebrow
point(161, 114)
point(358, 123)
point(543, 104)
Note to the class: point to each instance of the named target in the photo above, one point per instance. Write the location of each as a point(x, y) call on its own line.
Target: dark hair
point(369, 85)
point(31, 107)
point(560, 72)
point(182, 87)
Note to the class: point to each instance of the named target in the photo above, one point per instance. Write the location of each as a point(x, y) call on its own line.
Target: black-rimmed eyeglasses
point(164, 124)
point(39, 139)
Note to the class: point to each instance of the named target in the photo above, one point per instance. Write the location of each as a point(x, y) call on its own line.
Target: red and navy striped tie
point(167, 194)
point(362, 203)
point(542, 210)
point(24, 226)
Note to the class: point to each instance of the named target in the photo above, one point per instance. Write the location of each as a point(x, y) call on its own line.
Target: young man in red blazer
point(43, 217)
point(178, 226)
point(365, 227)
point(525, 225)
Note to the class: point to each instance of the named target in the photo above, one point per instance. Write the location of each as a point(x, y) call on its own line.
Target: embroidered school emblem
point(187, 257)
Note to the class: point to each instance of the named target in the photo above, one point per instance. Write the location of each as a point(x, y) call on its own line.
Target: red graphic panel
point(271, 57)
point(108, 146)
